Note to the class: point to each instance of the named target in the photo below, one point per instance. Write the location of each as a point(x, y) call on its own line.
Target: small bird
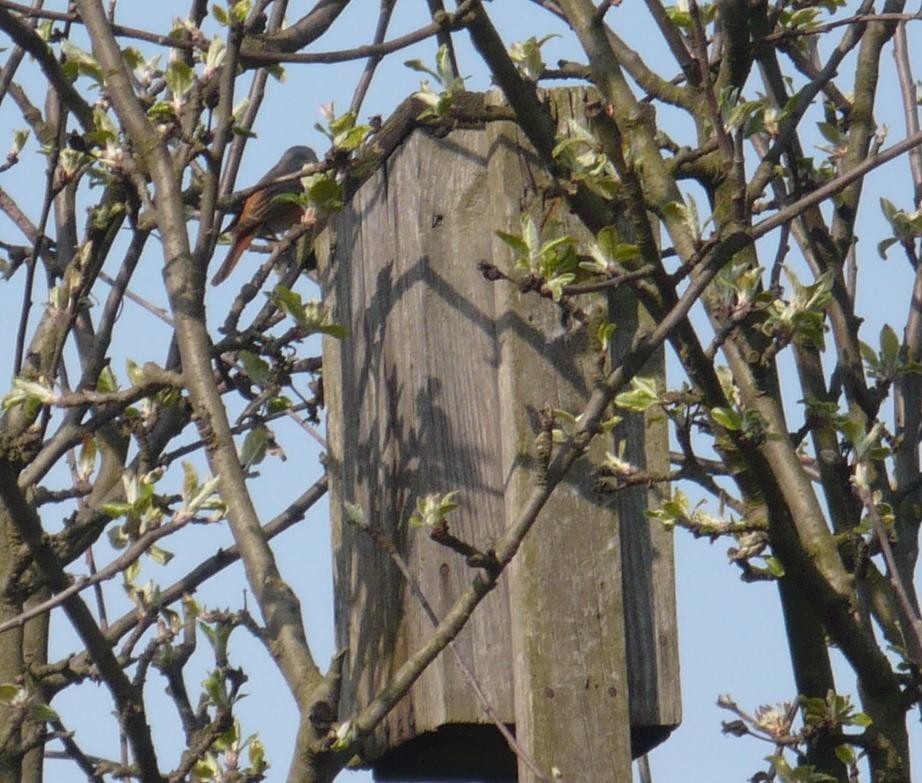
point(260, 214)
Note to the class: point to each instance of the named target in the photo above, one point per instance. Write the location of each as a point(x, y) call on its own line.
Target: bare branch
point(185, 286)
point(29, 40)
point(113, 569)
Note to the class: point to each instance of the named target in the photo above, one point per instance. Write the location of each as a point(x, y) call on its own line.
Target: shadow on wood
point(439, 387)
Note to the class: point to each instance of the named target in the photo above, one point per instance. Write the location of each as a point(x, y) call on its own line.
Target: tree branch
point(185, 287)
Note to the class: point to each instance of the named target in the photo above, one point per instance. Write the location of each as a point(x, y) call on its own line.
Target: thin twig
point(912, 623)
point(114, 568)
point(206, 569)
point(453, 21)
point(384, 19)
point(643, 768)
point(610, 283)
point(32, 261)
point(699, 46)
point(120, 30)
point(835, 185)
point(437, 11)
point(254, 102)
point(75, 753)
point(848, 20)
point(306, 426)
point(910, 104)
point(158, 312)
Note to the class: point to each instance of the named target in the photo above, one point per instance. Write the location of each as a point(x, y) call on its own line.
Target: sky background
point(731, 634)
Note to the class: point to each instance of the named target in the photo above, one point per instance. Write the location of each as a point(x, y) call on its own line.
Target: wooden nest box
point(439, 387)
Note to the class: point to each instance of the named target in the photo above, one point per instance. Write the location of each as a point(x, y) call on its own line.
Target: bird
point(261, 214)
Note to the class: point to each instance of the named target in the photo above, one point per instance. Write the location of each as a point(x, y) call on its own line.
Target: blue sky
point(731, 634)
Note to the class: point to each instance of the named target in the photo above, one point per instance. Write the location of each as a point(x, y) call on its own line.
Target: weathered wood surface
point(419, 415)
point(437, 388)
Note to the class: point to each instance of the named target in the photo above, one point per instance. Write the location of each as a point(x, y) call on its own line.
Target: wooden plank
point(420, 415)
point(566, 593)
point(648, 568)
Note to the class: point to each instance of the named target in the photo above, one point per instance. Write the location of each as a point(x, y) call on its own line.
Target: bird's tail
point(241, 243)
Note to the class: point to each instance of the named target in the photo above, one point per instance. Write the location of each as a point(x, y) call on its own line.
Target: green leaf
point(214, 58)
point(255, 367)
point(80, 62)
point(229, 740)
point(642, 396)
point(45, 29)
point(440, 102)
point(527, 57)
point(889, 209)
point(104, 131)
point(190, 483)
point(172, 618)
point(679, 17)
point(557, 284)
point(775, 567)
point(346, 733)
point(116, 509)
point(609, 424)
point(134, 371)
point(216, 688)
point(20, 137)
point(132, 572)
point(781, 766)
point(846, 754)
point(530, 236)
point(421, 67)
point(106, 381)
point(605, 332)
point(206, 497)
point(289, 301)
point(342, 123)
point(741, 114)
point(159, 555)
point(43, 713)
point(432, 509)
point(325, 192)
point(276, 71)
point(627, 253)
point(443, 65)
point(257, 755)
point(312, 316)
point(353, 138)
point(240, 10)
point(884, 245)
point(671, 511)
point(206, 769)
point(514, 241)
point(255, 446)
point(607, 241)
point(676, 210)
point(161, 111)
point(179, 78)
point(727, 418)
point(86, 458)
point(831, 133)
point(134, 59)
point(889, 345)
point(355, 514)
point(32, 390)
point(278, 404)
